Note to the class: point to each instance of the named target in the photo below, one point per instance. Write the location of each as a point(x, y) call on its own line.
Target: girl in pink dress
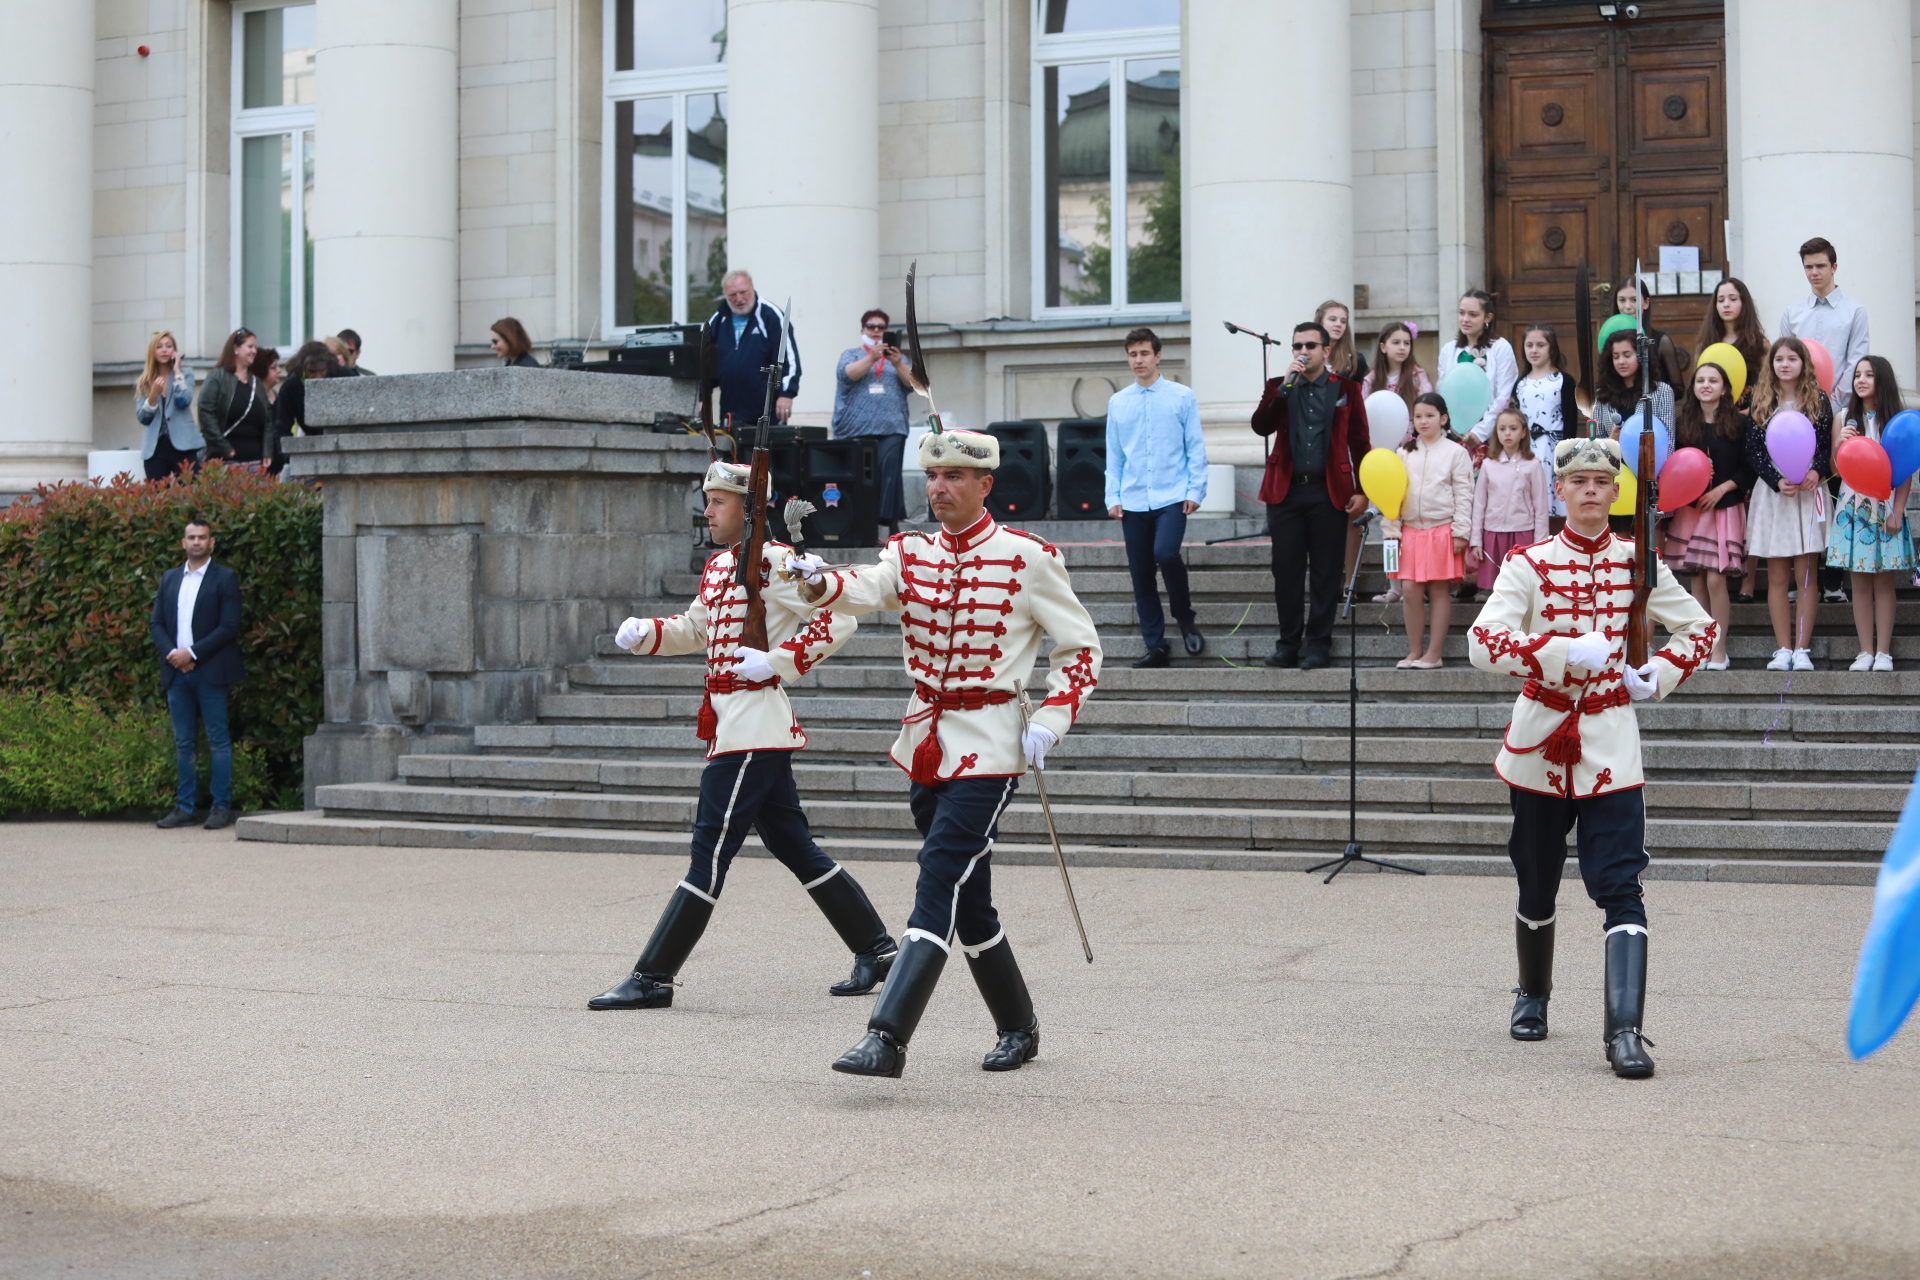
point(1510, 505)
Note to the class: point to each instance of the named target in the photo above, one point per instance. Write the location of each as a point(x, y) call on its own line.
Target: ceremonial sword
point(1046, 811)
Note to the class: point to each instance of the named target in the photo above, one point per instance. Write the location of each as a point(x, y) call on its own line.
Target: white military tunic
point(972, 607)
point(1574, 733)
point(749, 715)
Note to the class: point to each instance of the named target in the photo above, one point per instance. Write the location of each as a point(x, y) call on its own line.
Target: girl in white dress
point(1788, 518)
point(1545, 397)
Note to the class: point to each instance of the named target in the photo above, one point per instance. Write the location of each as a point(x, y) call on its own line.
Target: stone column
point(1269, 215)
point(803, 198)
point(1836, 163)
point(46, 242)
point(386, 179)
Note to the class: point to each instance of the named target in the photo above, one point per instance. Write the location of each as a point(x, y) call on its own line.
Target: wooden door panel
point(1675, 108)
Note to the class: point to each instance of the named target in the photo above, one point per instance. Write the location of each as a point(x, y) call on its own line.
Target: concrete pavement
point(224, 1059)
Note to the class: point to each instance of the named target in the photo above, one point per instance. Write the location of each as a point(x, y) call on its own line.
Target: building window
point(272, 213)
point(666, 174)
point(1091, 160)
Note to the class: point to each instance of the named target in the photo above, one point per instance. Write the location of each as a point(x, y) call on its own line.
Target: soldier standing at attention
point(751, 735)
point(1571, 758)
point(973, 601)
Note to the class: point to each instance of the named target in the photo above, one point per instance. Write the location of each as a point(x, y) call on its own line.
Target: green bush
point(62, 754)
point(79, 568)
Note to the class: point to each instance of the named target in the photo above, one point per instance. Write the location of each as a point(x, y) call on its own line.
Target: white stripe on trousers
point(726, 820)
point(953, 916)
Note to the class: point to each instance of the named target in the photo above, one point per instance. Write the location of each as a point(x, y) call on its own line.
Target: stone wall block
point(499, 634)
point(336, 569)
point(337, 635)
point(417, 602)
point(499, 567)
point(479, 395)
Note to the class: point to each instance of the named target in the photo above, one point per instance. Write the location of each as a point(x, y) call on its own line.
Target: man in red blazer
point(1318, 421)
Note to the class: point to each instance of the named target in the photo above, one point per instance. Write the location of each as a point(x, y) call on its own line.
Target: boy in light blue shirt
point(1156, 478)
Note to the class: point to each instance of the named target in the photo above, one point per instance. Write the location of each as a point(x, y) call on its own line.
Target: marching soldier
point(751, 733)
point(973, 600)
point(1571, 758)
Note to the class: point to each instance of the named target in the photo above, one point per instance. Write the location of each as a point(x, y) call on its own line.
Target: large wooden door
point(1605, 140)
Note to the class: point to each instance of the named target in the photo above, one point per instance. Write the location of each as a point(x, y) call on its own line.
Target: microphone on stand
point(1366, 518)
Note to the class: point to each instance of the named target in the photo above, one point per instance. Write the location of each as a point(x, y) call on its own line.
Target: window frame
point(1116, 48)
point(677, 84)
point(265, 122)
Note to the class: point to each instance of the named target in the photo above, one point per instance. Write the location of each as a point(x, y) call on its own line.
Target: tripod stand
point(1354, 851)
point(1265, 342)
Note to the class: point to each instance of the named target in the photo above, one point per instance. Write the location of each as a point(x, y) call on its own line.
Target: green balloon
point(1613, 325)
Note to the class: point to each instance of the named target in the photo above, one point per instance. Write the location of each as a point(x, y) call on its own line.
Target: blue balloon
point(1630, 444)
point(1901, 440)
point(1887, 982)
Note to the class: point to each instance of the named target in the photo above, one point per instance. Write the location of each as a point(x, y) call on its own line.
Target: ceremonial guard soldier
point(1558, 618)
point(973, 600)
point(751, 735)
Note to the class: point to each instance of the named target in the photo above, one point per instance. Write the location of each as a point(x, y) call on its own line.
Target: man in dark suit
point(1318, 421)
point(196, 632)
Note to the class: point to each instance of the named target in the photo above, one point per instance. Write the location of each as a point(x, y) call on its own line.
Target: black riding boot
point(997, 975)
point(1626, 1003)
point(844, 903)
point(1534, 943)
point(883, 1050)
point(650, 985)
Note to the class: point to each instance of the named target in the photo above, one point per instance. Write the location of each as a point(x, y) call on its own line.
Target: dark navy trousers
point(1611, 840)
point(751, 791)
point(1153, 546)
point(960, 820)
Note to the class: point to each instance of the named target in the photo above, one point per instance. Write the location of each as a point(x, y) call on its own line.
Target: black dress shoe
point(1285, 658)
point(1627, 1054)
point(1529, 1016)
point(639, 991)
point(1317, 658)
point(221, 817)
point(178, 818)
point(1194, 642)
point(869, 971)
point(1014, 1050)
point(877, 1054)
point(1154, 658)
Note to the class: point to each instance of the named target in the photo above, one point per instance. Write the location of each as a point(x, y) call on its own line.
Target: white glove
point(1591, 650)
point(1642, 684)
point(632, 632)
point(810, 567)
point(1036, 741)
point(753, 664)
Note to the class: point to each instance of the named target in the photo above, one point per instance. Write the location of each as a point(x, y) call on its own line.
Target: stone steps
point(1389, 790)
point(320, 828)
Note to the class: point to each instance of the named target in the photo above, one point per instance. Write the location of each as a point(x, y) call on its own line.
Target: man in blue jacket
point(749, 335)
point(196, 632)
point(1156, 478)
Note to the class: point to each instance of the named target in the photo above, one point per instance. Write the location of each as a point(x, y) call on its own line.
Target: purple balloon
point(1790, 443)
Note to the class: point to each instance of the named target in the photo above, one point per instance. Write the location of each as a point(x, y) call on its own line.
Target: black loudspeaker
point(1083, 469)
point(668, 351)
point(842, 479)
point(1020, 484)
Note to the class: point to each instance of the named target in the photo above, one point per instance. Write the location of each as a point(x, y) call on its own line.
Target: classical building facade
point(1061, 170)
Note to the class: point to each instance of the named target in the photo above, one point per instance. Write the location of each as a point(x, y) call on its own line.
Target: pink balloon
point(1790, 443)
point(1865, 466)
point(1685, 477)
point(1822, 363)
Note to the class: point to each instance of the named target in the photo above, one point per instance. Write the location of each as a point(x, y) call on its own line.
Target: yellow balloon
point(1729, 358)
point(1629, 490)
point(1384, 479)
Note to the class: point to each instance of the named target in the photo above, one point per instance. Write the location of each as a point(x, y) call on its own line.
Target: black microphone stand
point(1265, 342)
point(1354, 852)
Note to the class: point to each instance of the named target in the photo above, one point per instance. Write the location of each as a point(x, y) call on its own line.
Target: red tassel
point(1563, 744)
point(707, 727)
point(927, 757)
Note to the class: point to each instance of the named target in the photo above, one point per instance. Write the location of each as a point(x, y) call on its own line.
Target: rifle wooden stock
point(1646, 563)
point(753, 632)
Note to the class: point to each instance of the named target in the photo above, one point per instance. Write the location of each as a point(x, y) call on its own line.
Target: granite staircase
point(1212, 762)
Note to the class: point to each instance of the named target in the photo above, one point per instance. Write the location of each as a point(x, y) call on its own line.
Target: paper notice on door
point(1679, 257)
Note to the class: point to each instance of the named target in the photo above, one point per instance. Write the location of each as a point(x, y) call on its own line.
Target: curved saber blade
point(1060, 858)
point(918, 377)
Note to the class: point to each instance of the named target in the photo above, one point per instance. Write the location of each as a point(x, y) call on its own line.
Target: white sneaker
point(1883, 662)
point(1862, 663)
point(1835, 596)
point(1782, 660)
point(1802, 660)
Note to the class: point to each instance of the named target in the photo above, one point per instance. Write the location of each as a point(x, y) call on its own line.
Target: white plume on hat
point(1584, 453)
point(727, 477)
point(959, 449)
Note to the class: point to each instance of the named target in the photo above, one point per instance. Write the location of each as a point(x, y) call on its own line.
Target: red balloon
point(1685, 477)
point(1822, 363)
point(1865, 467)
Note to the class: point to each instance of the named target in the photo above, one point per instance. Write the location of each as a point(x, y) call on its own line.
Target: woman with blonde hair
point(1787, 516)
point(1343, 357)
point(161, 400)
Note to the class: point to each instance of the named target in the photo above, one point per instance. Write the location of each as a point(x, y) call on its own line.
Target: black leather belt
point(1300, 477)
